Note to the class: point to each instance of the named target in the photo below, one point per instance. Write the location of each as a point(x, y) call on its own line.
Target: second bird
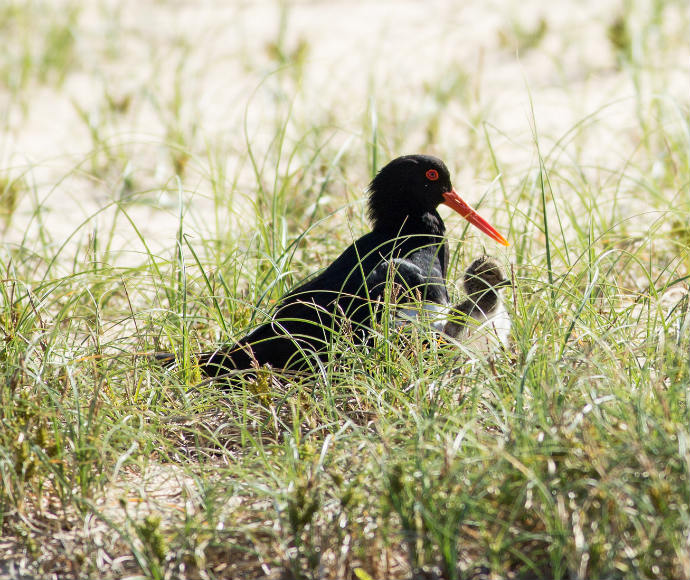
point(481, 323)
point(407, 247)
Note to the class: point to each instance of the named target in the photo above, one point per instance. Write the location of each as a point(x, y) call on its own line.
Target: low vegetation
point(566, 455)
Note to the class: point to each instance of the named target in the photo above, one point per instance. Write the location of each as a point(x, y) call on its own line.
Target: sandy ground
point(218, 57)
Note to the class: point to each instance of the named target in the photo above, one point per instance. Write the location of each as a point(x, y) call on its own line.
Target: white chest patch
point(429, 313)
point(484, 334)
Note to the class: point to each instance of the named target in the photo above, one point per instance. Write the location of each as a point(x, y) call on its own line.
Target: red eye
point(432, 175)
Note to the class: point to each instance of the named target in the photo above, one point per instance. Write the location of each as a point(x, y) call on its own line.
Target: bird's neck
point(403, 224)
point(485, 300)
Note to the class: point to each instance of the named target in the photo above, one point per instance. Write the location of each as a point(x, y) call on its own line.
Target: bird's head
point(413, 185)
point(482, 276)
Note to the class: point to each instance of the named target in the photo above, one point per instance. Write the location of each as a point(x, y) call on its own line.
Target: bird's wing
point(357, 280)
point(415, 292)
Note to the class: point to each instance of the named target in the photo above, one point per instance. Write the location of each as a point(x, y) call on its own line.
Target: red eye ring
point(432, 175)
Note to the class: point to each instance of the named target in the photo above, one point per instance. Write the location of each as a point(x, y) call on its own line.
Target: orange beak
point(453, 200)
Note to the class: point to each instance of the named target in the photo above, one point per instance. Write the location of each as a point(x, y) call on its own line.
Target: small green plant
point(290, 58)
point(620, 39)
point(523, 38)
point(302, 506)
point(10, 193)
point(41, 44)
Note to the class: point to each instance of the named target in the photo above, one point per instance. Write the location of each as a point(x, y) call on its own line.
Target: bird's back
point(346, 292)
point(355, 273)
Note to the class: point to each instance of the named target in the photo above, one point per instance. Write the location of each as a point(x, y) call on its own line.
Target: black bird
point(481, 322)
point(406, 247)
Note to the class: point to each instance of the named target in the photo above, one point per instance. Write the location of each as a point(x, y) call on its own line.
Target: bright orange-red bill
point(453, 200)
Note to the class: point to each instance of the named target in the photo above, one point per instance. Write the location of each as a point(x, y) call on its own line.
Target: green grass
point(565, 456)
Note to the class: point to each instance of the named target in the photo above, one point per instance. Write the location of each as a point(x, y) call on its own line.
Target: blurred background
point(146, 104)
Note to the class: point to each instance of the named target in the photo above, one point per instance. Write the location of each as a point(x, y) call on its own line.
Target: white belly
point(485, 334)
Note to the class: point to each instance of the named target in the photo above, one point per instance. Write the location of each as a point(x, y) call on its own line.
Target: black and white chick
point(481, 323)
